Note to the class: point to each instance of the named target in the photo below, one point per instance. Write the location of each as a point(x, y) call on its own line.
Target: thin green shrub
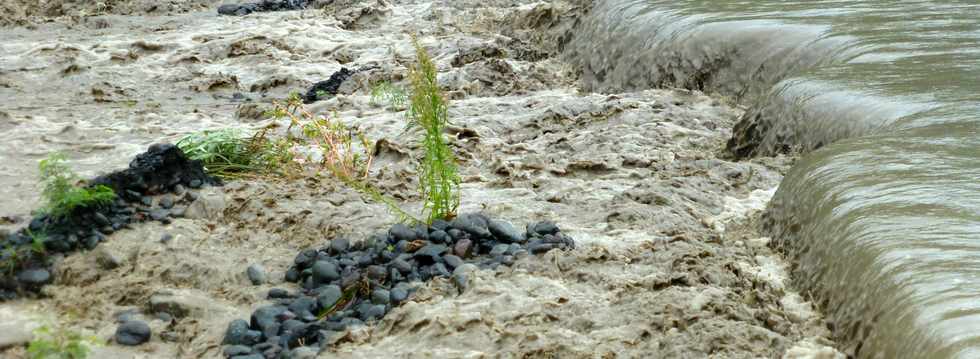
point(388, 95)
point(60, 191)
point(60, 344)
point(347, 152)
point(438, 177)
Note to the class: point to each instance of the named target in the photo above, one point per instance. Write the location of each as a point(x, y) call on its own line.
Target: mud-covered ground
point(668, 262)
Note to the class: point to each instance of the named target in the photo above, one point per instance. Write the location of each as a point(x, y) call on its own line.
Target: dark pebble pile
point(262, 6)
point(345, 284)
point(162, 169)
point(327, 87)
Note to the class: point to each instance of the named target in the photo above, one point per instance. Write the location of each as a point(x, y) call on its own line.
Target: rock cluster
point(261, 6)
point(348, 284)
point(162, 169)
point(328, 87)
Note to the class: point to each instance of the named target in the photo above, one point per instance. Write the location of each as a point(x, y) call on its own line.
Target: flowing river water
point(881, 215)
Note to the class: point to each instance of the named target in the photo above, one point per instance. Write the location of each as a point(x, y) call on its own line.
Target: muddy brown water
point(883, 219)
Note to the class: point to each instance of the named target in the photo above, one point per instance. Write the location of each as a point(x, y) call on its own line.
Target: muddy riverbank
point(668, 261)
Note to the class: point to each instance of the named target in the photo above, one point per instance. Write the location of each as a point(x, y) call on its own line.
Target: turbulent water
point(884, 218)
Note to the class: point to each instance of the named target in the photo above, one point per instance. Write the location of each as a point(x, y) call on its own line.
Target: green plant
point(438, 177)
point(61, 194)
point(60, 344)
point(347, 152)
point(386, 94)
point(228, 153)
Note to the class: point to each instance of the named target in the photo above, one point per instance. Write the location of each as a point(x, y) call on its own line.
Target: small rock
point(453, 261)
point(328, 296)
point(439, 237)
point(463, 248)
point(541, 228)
point(325, 272)
point(256, 274)
point(34, 277)
point(146, 200)
point(504, 232)
point(235, 335)
point(166, 238)
point(439, 225)
point(401, 265)
point(398, 295)
point(234, 350)
point(264, 319)
point(430, 253)
point(499, 249)
point(376, 272)
point(101, 219)
point(380, 296)
point(133, 332)
point(195, 183)
point(401, 232)
point(339, 245)
point(159, 214)
point(166, 202)
point(473, 224)
point(303, 353)
point(179, 189)
point(250, 356)
point(278, 293)
point(372, 312)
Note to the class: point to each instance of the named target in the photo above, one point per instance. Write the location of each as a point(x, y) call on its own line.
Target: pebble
point(34, 277)
point(133, 332)
point(233, 350)
point(401, 232)
point(339, 245)
point(463, 248)
point(380, 296)
point(453, 261)
point(166, 238)
point(325, 272)
point(159, 214)
point(256, 274)
point(278, 293)
point(499, 249)
point(504, 231)
point(235, 335)
point(196, 183)
point(473, 224)
point(398, 295)
point(328, 296)
point(166, 202)
point(264, 319)
point(430, 253)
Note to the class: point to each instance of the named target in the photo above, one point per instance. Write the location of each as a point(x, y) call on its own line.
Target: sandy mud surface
point(668, 262)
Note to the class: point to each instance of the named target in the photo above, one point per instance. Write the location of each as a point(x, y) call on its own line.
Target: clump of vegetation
point(61, 193)
point(386, 94)
point(438, 176)
point(229, 153)
point(347, 152)
point(60, 344)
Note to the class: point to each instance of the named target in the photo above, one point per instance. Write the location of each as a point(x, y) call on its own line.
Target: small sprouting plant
point(229, 153)
point(37, 241)
point(438, 176)
point(60, 343)
point(347, 152)
point(386, 94)
point(61, 194)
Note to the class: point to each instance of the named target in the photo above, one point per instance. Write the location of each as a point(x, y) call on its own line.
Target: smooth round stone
point(325, 272)
point(401, 232)
point(440, 237)
point(133, 332)
point(499, 249)
point(166, 202)
point(504, 231)
point(235, 335)
point(328, 296)
point(340, 245)
point(278, 293)
point(256, 274)
point(401, 265)
point(235, 350)
point(380, 296)
point(34, 277)
point(373, 312)
point(452, 260)
point(398, 295)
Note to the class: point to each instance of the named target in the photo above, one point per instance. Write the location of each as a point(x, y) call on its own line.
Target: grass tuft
point(386, 94)
point(231, 154)
point(438, 176)
point(60, 344)
point(60, 192)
